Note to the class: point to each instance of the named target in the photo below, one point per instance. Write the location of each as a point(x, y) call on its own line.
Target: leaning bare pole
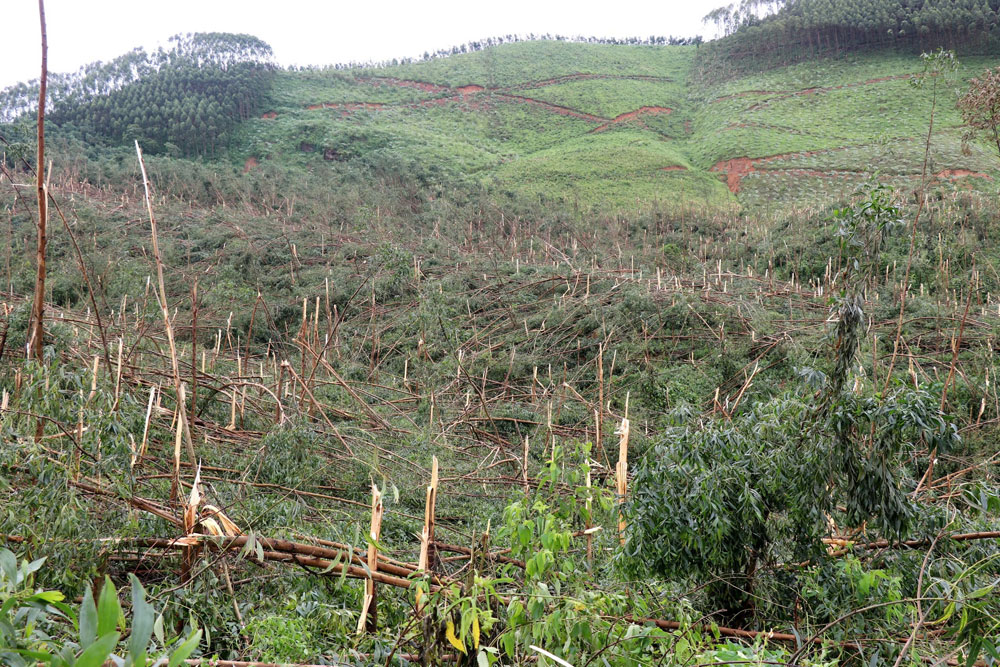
point(34, 350)
point(183, 427)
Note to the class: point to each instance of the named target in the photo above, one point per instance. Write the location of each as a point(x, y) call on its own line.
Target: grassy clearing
point(615, 168)
point(612, 97)
point(861, 110)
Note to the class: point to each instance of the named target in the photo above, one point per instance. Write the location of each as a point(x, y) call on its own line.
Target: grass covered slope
point(542, 120)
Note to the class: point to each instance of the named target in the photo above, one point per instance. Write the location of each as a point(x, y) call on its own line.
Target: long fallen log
point(329, 561)
point(907, 544)
point(730, 632)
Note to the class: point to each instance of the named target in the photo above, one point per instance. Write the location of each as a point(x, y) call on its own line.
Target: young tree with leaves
point(980, 107)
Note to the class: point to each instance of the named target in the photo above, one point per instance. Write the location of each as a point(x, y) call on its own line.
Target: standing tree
point(980, 107)
point(34, 350)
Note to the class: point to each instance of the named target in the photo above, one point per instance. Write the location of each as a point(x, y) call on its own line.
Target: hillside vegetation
point(543, 353)
point(619, 127)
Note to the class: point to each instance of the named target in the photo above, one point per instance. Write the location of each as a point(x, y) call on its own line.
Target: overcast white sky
point(320, 32)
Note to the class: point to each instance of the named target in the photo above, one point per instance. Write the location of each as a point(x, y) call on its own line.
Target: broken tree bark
point(35, 328)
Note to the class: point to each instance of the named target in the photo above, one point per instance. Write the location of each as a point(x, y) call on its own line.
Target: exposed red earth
point(464, 93)
point(952, 174)
point(631, 115)
point(555, 108)
point(735, 169)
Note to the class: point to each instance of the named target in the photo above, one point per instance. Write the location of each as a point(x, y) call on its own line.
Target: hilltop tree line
point(793, 29)
point(480, 45)
point(184, 100)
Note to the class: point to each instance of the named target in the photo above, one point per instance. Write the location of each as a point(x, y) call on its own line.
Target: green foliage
point(281, 639)
point(735, 493)
point(980, 107)
point(758, 35)
point(37, 627)
point(474, 250)
point(185, 100)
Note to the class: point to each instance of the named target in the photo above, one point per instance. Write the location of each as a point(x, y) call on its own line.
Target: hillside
point(613, 127)
point(548, 353)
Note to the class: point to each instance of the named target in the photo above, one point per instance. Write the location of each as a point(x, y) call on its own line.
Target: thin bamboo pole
point(164, 308)
point(427, 533)
point(35, 328)
point(621, 471)
point(368, 620)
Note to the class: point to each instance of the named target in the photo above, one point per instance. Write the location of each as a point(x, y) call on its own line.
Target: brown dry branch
point(35, 325)
point(161, 293)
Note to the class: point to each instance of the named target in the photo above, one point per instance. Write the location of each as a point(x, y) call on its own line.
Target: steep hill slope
point(612, 127)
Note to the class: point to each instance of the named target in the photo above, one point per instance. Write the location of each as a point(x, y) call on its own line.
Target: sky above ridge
point(320, 32)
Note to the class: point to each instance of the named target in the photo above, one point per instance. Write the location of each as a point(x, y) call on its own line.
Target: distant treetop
point(482, 44)
point(784, 30)
point(184, 99)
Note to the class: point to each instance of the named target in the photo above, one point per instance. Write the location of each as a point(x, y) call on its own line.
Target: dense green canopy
point(183, 100)
point(794, 28)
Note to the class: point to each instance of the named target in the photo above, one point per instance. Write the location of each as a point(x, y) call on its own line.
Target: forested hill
point(784, 30)
point(801, 101)
point(185, 100)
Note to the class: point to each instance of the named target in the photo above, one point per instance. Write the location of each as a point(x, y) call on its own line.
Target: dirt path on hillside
point(633, 115)
point(785, 94)
point(425, 86)
point(468, 92)
point(554, 108)
point(954, 174)
point(580, 76)
point(347, 107)
point(736, 168)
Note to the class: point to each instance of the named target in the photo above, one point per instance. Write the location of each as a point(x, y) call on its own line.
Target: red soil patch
point(675, 167)
point(735, 170)
point(555, 108)
point(471, 89)
point(952, 174)
point(250, 164)
point(347, 107)
point(632, 115)
point(653, 111)
point(270, 114)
